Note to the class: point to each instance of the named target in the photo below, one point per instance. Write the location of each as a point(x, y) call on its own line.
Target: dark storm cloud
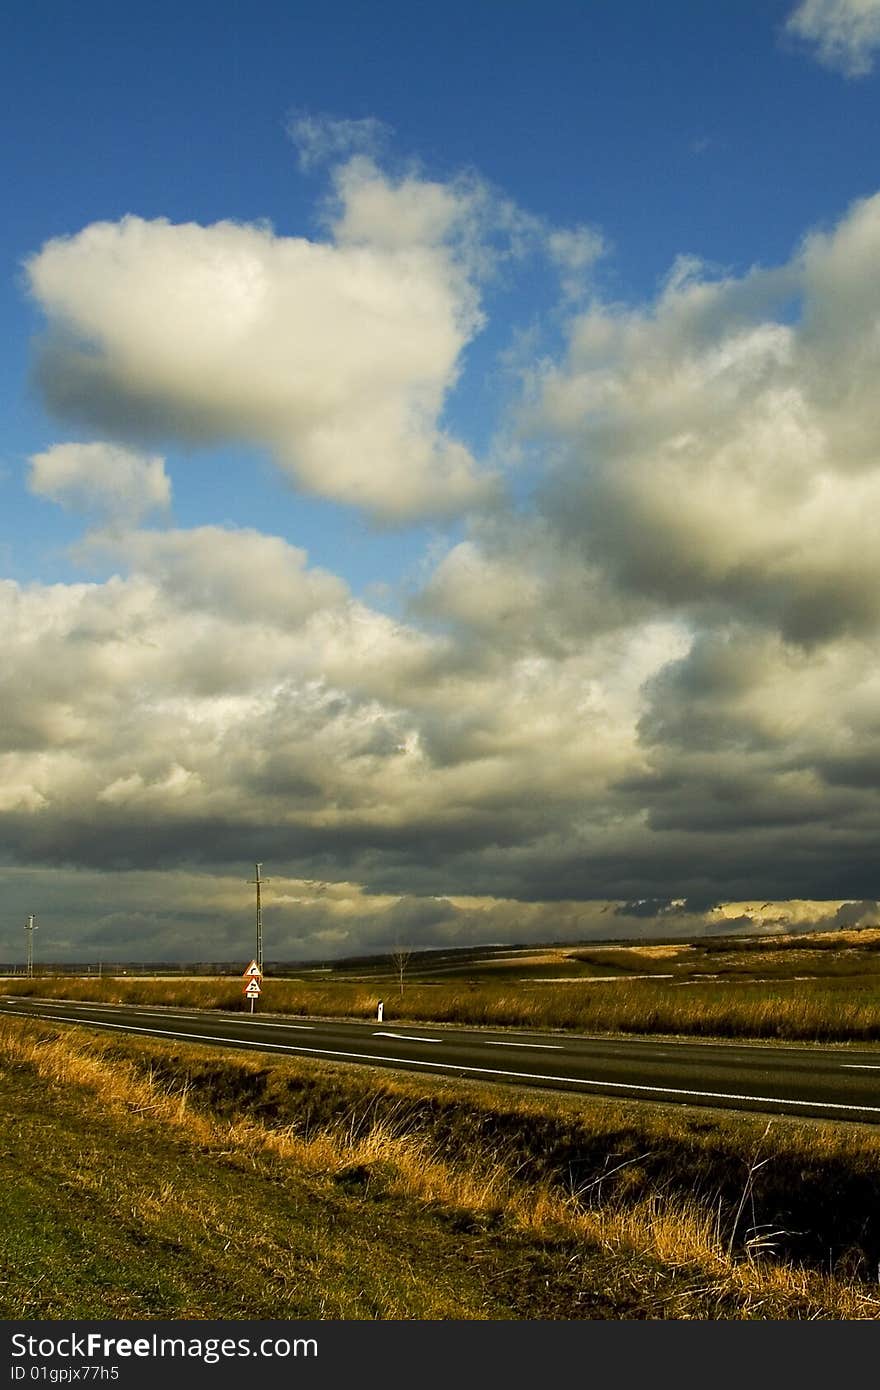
point(857, 914)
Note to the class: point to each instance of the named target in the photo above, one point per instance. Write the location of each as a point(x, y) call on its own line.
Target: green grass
point(111, 1215)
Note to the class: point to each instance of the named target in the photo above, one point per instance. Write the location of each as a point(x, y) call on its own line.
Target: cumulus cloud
point(481, 228)
point(241, 573)
point(104, 480)
point(171, 719)
point(649, 698)
point(747, 730)
point(845, 33)
point(218, 691)
point(707, 523)
point(336, 356)
point(413, 211)
point(720, 443)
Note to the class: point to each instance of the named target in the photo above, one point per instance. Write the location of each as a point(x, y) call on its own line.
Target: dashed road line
point(407, 1037)
point(458, 1067)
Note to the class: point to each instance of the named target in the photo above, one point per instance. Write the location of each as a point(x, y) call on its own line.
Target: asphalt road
point(837, 1083)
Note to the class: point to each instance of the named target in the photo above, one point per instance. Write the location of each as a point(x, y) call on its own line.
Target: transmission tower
point(259, 882)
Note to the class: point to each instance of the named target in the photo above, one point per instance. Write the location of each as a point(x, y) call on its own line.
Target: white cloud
point(337, 357)
point(240, 573)
point(678, 650)
point(846, 33)
point(114, 483)
point(477, 589)
point(410, 213)
point(222, 694)
point(320, 138)
point(721, 450)
point(223, 684)
point(575, 251)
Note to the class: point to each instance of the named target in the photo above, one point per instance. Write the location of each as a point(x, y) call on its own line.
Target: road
point(837, 1083)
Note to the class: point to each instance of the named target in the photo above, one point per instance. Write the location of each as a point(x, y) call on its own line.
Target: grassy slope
point(152, 1180)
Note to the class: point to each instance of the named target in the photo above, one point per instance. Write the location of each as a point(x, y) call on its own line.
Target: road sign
point(252, 989)
point(253, 972)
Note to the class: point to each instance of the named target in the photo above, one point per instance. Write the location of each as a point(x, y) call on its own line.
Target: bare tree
point(400, 956)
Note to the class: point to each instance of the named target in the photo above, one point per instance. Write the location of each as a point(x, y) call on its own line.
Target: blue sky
point(597, 461)
point(688, 129)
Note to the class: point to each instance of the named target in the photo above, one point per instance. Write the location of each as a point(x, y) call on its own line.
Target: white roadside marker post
point(380, 1011)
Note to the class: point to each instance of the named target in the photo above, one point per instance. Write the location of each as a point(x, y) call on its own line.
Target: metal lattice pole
point(259, 921)
point(259, 882)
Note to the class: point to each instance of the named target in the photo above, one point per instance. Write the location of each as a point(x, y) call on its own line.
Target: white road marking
point(406, 1037)
point(300, 1027)
point(483, 1071)
point(156, 1011)
point(861, 1066)
point(556, 1047)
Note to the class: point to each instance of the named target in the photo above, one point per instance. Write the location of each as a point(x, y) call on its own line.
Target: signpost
point(253, 975)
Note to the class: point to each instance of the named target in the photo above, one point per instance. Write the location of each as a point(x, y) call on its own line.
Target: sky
point(440, 463)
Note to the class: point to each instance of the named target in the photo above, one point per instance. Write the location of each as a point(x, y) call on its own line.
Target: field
point(142, 1179)
point(149, 1179)
point(821, 988)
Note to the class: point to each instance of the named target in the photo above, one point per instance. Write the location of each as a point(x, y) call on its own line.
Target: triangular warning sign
point(252, 989)
point(253, 972)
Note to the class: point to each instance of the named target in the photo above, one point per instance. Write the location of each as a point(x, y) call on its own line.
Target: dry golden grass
point(860, 937)
point(681, 1236)
point(789, 1009)
point(665, 952)
point(523, 958)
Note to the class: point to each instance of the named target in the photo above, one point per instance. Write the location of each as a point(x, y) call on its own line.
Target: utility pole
point(259, 882)
point(30, 929)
